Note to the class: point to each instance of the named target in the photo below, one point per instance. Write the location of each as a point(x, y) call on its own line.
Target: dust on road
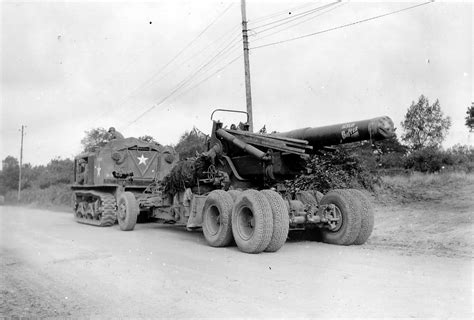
point(53, 267)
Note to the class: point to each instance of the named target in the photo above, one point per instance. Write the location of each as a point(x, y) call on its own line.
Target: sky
point(161, 67)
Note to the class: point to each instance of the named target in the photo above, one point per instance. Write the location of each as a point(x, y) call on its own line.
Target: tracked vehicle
point(109, 181)
point(233, 191)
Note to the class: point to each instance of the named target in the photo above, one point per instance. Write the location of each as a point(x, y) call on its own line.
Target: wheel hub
point(246, 223)
point(122, 212)
point(214, 221)
point(334, 218)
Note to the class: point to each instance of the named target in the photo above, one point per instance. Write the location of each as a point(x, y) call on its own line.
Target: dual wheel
point(256, 220)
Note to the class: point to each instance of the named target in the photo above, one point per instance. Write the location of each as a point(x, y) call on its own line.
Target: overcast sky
point(67, 67)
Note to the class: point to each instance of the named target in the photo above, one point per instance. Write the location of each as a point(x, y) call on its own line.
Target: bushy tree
point(57, 171)
point(429, 159)
point(425, 125)
point(470, 117)
point(29, 175)
point(95, 138)
point(191, 142)
point(9, 174)
point(343, 167)
point(391, 145)
point(464, 151)
point(390, 153)
point(148, 138)
point(461, 157)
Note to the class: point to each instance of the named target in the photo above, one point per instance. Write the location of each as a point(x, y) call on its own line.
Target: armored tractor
point(110, 180)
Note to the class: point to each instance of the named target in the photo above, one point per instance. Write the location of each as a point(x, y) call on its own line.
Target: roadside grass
point(417, 213)
point(53, 197)
point(417, 178)
point(426, 212)
point(422, 187)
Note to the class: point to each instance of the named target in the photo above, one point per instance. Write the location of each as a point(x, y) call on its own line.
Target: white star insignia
point(142, 159)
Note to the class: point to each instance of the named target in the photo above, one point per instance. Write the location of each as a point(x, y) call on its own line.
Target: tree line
point(419, 149)
point(60, 171)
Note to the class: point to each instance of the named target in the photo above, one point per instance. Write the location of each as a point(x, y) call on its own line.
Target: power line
point(279, 13)
point(215, 58)
point(198, 54)
point(185, 81)
point(341, 26)
point(295, 24)
point(219, 56)
point(146, 82)
point(189, 44)
point(208, 77)
point(296, 16)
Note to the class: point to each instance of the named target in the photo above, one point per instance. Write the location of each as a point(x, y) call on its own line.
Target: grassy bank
point(53, 197)
point(417, 213)
point(423, 187)
point(425, 212)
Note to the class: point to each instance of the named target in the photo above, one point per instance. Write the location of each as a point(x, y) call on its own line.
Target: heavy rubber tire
point(127, 211)
point(252, 222)
point(367, 217)
point(217, 218)
point(350, 211)
point(281, 220)
point(234, 194)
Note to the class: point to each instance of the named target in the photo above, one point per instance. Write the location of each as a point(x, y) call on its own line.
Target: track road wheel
point(345, 219)
point(80, 211)
point(216, 218)
point(367, 216)
point(281, 222)
point(127, 211)
point(252, 222)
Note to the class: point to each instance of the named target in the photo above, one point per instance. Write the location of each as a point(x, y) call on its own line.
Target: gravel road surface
point(52, 266)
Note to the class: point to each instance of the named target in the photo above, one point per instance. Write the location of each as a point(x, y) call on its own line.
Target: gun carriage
point(233, 191)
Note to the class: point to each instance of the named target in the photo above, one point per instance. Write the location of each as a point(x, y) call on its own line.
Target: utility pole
point(248, 91)
point(21, 162)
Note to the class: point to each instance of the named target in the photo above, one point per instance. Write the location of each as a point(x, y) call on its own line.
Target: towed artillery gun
point(234, 191)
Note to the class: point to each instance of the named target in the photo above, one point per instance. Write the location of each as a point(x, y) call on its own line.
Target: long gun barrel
point(379, 128)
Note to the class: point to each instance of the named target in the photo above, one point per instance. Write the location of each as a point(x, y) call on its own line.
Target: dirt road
point(53, 267)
